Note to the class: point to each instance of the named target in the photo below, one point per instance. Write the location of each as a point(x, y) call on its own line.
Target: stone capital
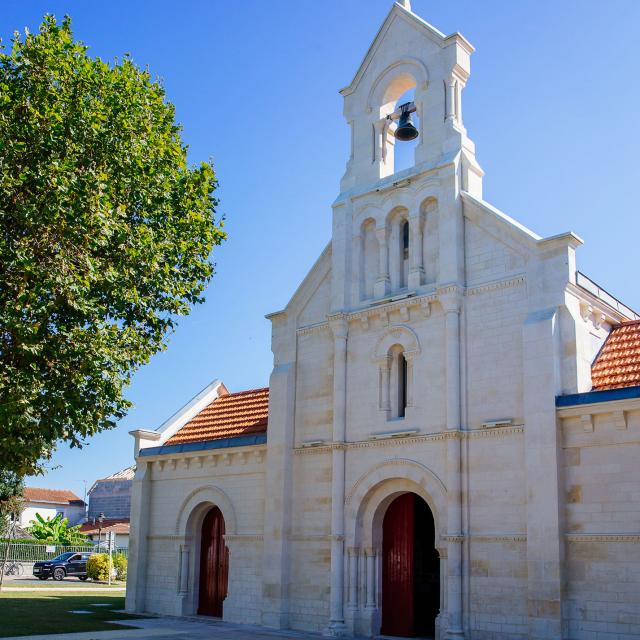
point(339, 325)
point(450, 297)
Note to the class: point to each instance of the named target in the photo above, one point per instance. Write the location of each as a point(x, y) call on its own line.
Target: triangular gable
point(321, 267)
point(157, 437)
point(399, 12)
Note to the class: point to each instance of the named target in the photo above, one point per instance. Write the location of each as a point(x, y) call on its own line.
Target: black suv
point(70, 563)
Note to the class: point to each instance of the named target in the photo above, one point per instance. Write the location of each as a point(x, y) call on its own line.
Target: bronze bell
point(405, 131)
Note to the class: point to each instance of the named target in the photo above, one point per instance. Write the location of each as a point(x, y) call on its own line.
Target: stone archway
point(189, 531)
point(213, 566)
point(365, 507)
point(410, 585)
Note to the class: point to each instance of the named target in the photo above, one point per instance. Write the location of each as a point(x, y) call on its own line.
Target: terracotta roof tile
point(56, 496)
point(117, 525)
point(228, 416)
point(618, 363)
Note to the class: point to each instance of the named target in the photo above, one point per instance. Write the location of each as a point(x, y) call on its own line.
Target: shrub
point(98, 566)
point(120, 566)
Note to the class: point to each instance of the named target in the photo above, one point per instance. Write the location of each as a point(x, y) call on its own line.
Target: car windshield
point(63, 556)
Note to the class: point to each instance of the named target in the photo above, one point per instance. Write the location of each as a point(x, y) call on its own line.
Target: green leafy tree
point(56, 530)
point(106, 234)
point(11, 501)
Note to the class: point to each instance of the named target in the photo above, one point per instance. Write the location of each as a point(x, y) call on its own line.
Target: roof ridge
point(239, 393)
point(625, 323)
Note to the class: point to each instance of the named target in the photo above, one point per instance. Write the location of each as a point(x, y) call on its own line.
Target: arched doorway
point(410, 568)
point(214, 565)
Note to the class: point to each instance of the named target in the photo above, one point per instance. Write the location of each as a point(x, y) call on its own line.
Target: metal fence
point(25, 552)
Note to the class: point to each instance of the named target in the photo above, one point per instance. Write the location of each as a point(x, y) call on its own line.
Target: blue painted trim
point(591, 397)
point(224, 443)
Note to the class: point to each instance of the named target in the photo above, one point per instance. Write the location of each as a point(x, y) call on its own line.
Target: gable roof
point(618, 363)
point(403, 13)
point(228, 416)
point(53, 496)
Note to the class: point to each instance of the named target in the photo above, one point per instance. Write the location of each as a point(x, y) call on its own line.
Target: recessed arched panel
point(399, 334)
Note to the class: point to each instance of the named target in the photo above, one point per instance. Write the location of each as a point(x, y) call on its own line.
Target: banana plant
point(56, 530)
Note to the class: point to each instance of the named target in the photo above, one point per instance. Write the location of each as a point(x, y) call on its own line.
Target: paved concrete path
point(178, 629)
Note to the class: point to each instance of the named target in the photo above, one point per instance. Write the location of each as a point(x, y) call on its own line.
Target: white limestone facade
point(450, 359)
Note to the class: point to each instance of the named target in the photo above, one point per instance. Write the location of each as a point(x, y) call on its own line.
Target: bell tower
point(398, 230)
point(407, 55)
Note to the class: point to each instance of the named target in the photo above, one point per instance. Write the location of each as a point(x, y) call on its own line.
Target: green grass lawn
point(25, 614)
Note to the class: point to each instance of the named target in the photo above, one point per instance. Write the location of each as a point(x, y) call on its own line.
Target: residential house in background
point(49, 503)
point(111, 497)
point(97, 531)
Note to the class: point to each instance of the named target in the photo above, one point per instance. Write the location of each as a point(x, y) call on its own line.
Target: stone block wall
point(601, 449)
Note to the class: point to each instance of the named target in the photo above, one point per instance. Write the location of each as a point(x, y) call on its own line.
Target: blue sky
point(552, 105)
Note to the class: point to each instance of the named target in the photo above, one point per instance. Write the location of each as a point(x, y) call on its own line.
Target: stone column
point(416, 269)
point(450, 99)
point(371, 599)
point(383, 284)
point(339, 326)
point(409, 356)
point(385, 374)
point(542, 353)
point(138, 542)
point(451, 304)
point(353, 577)
point(184, 569)
point(278, 486)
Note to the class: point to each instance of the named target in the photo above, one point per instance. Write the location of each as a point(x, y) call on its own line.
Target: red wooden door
point(398, 567)
point(214, 565)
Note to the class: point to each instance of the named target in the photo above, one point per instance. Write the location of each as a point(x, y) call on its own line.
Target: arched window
point(395, 354)
point(404, 278)
point(398, 382)
point(399, 248)
point(402, 385)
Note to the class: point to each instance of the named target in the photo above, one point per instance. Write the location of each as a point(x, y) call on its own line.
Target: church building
point(449, 444)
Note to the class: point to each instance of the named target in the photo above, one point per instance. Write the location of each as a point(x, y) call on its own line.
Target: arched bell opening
point(404, 150)
point(410, 569)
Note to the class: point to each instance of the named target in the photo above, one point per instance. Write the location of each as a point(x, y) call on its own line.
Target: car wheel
point(42, 577)
point(83, 578)
point(58, 574)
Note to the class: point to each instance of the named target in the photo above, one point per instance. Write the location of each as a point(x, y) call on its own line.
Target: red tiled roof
point(117, 525)
point(618, 363)
point(228, 416)
point(55, 496)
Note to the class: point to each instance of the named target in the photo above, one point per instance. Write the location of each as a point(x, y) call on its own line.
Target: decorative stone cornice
point(498, 537)
point(446, 295)
point(515, 281)
point(615, 407)
point(417, 439)
point(455, 539)
point(313, 328)
point(243, 537)
point(603, 537)
point(195, 461)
